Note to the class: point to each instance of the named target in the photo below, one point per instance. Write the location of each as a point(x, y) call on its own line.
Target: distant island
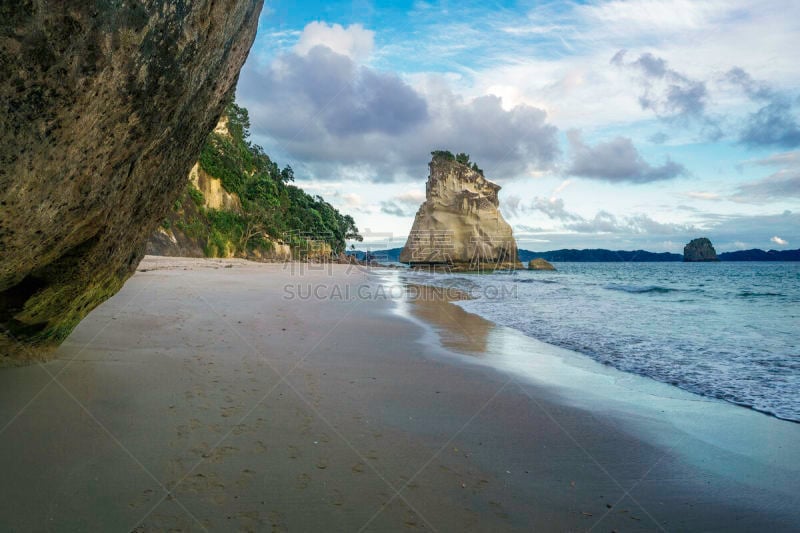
point(760, 255)
point(700, 250)
point(600, 255)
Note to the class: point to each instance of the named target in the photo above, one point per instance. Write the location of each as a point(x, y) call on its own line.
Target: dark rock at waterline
point(539, 264)
point(699, 250)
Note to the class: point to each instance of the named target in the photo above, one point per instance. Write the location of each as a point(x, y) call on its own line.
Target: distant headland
point(599, 255)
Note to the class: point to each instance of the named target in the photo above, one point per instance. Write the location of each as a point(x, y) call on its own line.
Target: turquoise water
point(723, 330)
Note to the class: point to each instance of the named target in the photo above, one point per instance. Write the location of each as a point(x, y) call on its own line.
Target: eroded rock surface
point(459, 224)
point(105, 108)
point(699, 250)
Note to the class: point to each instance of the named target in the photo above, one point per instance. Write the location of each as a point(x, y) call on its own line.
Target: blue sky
point(613, 124)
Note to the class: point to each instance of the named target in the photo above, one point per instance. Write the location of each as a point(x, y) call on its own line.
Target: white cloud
point(404, 204)
point(411, 197)
point(699, 39)
point(351, 199)
point(334, 117)
point(701, 195)
point(780, 185)
point(617, 161)
point(777, 240)
point(564, 184)
point(659, 17)
point(354, 41)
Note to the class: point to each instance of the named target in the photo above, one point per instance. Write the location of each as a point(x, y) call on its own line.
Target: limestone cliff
point(214, 194)
point(105, 108)
point(237, 202)
point(459, 224)
point(699, 250)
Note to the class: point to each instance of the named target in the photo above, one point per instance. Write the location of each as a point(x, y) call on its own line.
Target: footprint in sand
point(207, 486)
point(278, 522)
point(294, 452)
point(226, 412)
point(303, 480)
point(250, 521)
point(174, 522)
point(306, 421)
point(312, 386)
point(182, 431)
point(245, 478)
point(411, 520)
point(337, 498)
point(497, 507)
point(218, 455)
point(146, 497)
point(238, 429)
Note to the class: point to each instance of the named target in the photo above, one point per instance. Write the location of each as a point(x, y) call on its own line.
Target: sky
point(636, 124)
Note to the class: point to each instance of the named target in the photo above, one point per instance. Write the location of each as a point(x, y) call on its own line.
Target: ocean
point(724, 330)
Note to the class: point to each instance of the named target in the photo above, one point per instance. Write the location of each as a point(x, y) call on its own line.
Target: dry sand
point(205, 396)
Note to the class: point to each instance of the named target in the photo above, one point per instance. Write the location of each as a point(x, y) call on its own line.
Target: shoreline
point(590, 385)
point(202, 398)
point(601, 367)
point(766, 397)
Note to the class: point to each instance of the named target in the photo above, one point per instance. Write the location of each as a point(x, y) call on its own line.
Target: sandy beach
point(224, 395)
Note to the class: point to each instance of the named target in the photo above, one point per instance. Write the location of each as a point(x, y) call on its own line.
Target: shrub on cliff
point(462, 158)
point(271, 205)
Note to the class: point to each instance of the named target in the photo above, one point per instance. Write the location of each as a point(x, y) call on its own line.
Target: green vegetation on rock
point(461, 158)
point(272, 208)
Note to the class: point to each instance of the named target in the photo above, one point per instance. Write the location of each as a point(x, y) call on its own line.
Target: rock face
point(214, 194)
point(539, 264)
point(105, 108)
point(699, 250)
point(459, 225)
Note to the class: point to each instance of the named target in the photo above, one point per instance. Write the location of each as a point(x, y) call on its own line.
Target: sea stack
point(698, 251)
point(106, 107)
point(459, 226)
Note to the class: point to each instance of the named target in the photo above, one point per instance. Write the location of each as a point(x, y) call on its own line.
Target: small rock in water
point(539, 264)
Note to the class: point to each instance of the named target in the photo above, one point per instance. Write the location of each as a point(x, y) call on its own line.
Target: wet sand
point(223, 395)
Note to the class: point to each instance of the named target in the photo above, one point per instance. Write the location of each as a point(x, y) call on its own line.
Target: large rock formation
point(699, 250)
point(105, 108)
point(459, 226)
